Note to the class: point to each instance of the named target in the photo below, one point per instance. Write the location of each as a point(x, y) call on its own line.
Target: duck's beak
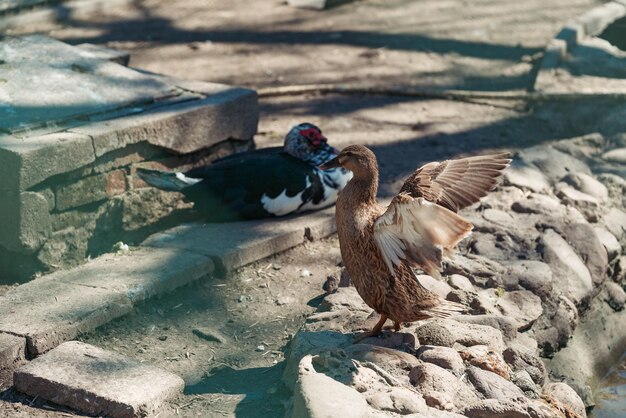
point(334, 163)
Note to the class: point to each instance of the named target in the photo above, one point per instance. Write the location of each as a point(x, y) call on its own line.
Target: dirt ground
point(491, 45)
point(247, 318)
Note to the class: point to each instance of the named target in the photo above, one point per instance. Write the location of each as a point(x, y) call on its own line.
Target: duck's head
point(306, 142)
point(356, 158)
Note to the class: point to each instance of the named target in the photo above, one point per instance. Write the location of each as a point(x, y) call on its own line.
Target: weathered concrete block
point(56, 307)
point(185, 127)
point(98, 382)
point(48, 312)
point(235, 244)
point(25, 221)
point(12, 351)
point(27, 161)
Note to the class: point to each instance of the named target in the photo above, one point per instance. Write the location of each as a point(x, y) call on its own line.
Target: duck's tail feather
point(173, 182)
point(445, 309)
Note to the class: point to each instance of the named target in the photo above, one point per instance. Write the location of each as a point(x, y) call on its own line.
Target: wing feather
point(415, 231)
point(456, 184)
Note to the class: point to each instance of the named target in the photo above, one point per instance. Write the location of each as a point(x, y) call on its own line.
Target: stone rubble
point(546, 244)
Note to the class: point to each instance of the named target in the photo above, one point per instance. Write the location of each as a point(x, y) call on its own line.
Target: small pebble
point(260, 347)
point(305, 273)
point(241, 299)
point(163, 337)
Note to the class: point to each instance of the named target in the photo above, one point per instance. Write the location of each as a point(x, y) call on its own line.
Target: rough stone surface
point(583, 239)
point(532, 275)
point(507, 326)
point(496, 408)
point(615, 296)
point(588, 185)
point(438, 287)
point(443, 357)
point(310, 343)
point(616, 155)
point(615, 222)
point(12, 352)
point(520, 358)
point(525, 176)
point(585, 203)
point(571, 276)
point(473, 334)
point(316, 395)
point(433, 333)
point(552, 163)
point(456, 281)
point(491, 385)
point(399, 400)
point(522, 305)
point(608, 240)
point(485, 358)
point(98, 382)
point(566, 395)
point(428, 377)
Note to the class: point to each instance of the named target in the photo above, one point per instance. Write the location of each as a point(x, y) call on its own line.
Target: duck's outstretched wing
point(455, 184)
point(415, 231)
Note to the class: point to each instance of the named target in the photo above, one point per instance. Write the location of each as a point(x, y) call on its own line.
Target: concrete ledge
point(97, 382)
point(235, 244)
point(591, 23)
point(55, 308)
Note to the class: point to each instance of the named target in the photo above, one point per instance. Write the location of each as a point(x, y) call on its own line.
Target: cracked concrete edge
point(590, 23)
point(59, 306)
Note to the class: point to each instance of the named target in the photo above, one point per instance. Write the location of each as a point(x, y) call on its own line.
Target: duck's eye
point(349, 154)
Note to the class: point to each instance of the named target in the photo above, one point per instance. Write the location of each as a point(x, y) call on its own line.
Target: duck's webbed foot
point(374, 332)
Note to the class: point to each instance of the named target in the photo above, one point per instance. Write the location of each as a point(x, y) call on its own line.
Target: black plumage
point(260, 183)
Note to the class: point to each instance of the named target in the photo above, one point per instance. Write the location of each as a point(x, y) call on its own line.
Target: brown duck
point(379, 245)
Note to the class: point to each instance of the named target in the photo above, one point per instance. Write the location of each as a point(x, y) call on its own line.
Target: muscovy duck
point(274, 181)
point(380, 245)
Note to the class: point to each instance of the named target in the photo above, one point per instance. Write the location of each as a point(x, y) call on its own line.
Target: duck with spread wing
point(380, 246)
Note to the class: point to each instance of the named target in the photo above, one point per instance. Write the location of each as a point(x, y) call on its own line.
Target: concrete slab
point(235, 244)
point(225, 113)
point(98, 382)
point(56, 307)
point(64, 84)
point(12, 352)
point(26, 221)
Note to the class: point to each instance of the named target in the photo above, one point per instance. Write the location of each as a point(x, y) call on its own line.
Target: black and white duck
point(262, 183)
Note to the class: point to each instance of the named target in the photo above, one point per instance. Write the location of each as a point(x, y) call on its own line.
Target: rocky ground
point(545, 244)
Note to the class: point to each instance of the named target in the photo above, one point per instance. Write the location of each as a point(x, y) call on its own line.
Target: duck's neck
point(362, 188)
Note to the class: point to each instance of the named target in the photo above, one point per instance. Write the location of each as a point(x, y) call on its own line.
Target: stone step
point(97, 382)
point(57, 307)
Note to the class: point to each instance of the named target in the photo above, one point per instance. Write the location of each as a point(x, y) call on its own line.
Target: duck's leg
point(375, 331)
